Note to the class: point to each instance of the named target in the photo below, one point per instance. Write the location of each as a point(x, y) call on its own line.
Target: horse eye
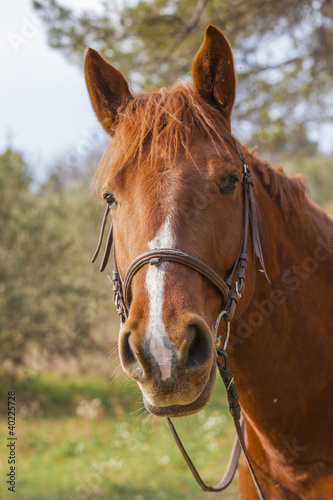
point(229, 184)
point(110, 199)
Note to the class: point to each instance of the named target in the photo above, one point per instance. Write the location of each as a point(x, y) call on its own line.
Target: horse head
point(173, 181)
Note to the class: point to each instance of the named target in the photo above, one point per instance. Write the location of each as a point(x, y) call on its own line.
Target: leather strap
point(222, 361)
point(101, 234)
point(154, 257)
point(231, 468)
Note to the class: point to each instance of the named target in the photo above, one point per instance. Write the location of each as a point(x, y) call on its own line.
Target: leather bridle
point(231, 290)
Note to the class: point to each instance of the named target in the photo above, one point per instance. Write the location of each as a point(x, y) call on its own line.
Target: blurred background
point(81, 428)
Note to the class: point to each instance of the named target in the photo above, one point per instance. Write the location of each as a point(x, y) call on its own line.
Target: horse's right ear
point(107, 88)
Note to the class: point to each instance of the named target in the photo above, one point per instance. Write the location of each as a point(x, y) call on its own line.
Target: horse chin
point(187, 409)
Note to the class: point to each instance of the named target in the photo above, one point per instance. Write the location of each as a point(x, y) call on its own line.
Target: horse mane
point(162, 123)
point(288, 192)
point(166, 120)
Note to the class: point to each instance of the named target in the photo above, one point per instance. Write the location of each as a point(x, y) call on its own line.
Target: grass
point(82, 438)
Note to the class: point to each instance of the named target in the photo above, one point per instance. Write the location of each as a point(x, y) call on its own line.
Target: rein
point(231, 290)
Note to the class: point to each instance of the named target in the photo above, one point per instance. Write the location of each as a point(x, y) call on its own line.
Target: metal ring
point(227, 335)
point(217, 324)
point(237, 290)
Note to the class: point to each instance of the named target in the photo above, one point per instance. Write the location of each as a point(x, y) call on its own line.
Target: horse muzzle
point(175, 372)
point(183, 410)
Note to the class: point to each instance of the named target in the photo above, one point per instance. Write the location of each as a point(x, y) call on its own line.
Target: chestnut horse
point(173, 180)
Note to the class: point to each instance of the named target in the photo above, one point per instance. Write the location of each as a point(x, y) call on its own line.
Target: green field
point(84, 438)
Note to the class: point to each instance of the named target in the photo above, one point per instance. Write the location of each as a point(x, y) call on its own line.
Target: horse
point(172, 178)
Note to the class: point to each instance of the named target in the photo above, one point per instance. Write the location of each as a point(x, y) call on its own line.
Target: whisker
point(116, 373)
point(127, 383)
point(137, 411)
point(113, 350)
point(148, 417)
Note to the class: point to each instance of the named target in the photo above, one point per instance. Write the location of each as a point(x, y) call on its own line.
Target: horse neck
point(275, 341)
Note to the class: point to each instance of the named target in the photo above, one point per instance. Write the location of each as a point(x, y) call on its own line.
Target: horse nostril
point(200, 350)
point(126, 353)
point(130, 360)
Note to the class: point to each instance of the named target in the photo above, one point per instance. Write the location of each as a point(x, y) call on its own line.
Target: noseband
point(231, 290)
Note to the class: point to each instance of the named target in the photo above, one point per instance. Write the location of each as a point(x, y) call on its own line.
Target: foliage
point(282, 50)
point(49, 295)
point(318, 170)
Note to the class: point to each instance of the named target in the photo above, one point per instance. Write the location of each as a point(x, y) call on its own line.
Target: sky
point(44, 105)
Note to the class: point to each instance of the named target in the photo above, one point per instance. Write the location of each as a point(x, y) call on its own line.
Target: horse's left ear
point(213, 71)
point(107, 88)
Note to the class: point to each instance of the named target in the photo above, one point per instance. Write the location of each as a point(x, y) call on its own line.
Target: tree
point(50, 295)
point(283, 52)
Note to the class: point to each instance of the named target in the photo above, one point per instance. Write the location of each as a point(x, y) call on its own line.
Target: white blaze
point(156, 336)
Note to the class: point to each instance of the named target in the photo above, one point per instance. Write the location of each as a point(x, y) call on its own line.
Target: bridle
point(231, 290)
